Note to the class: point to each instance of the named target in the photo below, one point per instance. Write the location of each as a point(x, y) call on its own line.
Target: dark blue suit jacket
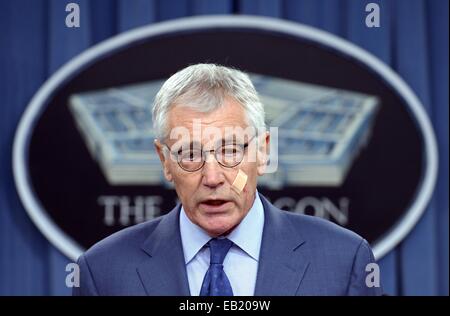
point(300, 255)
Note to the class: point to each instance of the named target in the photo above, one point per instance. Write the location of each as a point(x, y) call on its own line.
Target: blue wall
point(34, 42)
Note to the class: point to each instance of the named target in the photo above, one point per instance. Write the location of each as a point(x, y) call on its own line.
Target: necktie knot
point(219, 248)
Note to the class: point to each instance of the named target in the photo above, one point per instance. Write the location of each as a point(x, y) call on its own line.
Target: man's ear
point(263, 152)
point(165, 161)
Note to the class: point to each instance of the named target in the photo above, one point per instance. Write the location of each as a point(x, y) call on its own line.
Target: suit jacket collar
point(164, 273)
point(282, 263)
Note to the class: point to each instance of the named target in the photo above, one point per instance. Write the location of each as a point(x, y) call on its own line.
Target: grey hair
point(203, 87)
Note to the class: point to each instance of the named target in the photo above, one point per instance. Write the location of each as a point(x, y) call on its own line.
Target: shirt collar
point(247, 235)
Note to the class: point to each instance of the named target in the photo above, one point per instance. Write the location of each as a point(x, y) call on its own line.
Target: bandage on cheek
point(240, 181)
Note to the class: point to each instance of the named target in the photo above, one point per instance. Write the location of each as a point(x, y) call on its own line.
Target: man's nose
point(212, 172)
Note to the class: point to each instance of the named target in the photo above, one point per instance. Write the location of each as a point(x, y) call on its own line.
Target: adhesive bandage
point(240, 181)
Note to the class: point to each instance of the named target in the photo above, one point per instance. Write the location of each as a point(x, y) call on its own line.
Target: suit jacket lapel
point(164, 271)
point(282, 261)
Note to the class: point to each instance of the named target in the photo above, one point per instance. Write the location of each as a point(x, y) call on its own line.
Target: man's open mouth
point(215, 206)
point(214, 202)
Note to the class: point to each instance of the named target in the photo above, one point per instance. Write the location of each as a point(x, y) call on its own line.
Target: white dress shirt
point(241, 262)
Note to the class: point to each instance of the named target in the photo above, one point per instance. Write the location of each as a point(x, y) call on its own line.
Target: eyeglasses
point(193, 159)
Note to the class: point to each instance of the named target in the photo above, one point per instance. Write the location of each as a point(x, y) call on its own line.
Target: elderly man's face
point(207, 194)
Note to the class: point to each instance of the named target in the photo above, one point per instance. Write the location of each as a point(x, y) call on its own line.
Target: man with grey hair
point(223, 238)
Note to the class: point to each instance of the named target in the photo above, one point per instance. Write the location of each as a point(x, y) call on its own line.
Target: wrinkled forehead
point(225, 124)
point(199, 135)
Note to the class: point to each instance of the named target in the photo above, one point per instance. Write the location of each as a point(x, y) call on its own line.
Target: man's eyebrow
point(235, 139)
point(196, 145)
point(229, 140)
point(186, 145)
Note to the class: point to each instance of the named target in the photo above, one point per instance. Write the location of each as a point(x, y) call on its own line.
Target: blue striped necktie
point(216, 282)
